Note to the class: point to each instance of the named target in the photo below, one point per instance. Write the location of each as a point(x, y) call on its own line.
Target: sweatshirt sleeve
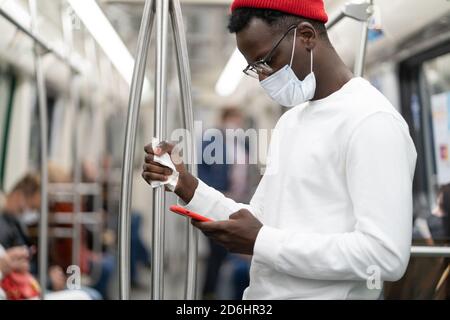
point(380, 165)
point(213, 204)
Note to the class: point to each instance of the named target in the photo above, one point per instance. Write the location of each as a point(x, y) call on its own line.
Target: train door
point(425, 98)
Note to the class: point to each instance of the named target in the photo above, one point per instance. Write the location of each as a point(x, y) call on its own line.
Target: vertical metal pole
point(361, 56)
point(42, 104)
point(360, 60)
point(77, 215)
point(188, 123)
point(74, 102)
point(129, 148)
point(162, 17)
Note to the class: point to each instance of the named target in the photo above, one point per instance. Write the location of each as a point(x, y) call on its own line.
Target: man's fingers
point(154, 168)
point(149, 177)
point(149, 158)
point(211, 227)
point(214, 234)
point(163, 147)
point(149, 149)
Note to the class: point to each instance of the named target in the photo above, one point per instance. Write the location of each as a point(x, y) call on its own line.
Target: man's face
point(25, 203)
point(256, 41)
point(34, 202)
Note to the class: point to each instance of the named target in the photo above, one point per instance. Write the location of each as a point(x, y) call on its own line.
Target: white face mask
point(29, 217)
point(286, 89)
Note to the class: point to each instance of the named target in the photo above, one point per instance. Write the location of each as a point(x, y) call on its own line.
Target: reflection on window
point(437, 75)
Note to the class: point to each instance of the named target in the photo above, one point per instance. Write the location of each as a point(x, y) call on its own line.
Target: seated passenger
point(15, 259)
point(25, 197)
point(435, 227)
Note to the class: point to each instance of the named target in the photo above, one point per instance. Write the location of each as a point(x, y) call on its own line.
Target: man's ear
point(307, 35)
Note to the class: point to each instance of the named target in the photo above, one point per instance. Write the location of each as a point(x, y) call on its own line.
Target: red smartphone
point(184, 212)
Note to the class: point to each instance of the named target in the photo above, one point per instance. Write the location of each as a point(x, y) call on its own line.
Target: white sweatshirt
point(337, 207)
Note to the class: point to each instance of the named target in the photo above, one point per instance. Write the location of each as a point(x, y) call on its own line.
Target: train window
point(425, 83)
point(437, 77)
point(437, 72)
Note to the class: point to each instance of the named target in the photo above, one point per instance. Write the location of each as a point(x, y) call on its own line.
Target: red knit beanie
point(310, 9)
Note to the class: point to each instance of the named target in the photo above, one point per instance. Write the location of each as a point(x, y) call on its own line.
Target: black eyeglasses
point(262, 67)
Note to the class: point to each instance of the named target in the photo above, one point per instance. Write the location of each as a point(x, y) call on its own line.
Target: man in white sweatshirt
point(332, 216)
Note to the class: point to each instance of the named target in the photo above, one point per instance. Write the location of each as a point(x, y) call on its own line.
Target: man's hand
point(16, 259)
point(57, 278)
point(153, 171)
point(237, 235)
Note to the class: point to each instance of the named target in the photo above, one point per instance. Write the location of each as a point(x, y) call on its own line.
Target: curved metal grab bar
point(129, 148)
point(360, 12)
point(188, 123)
point(162, 9)
point(160, 121)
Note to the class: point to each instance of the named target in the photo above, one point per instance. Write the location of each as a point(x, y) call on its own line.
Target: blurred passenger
point(231, 180)
point(139, 253)
point(15, 259)
point(436, 226)
point(427, 278)
point(25, 197)
point(240, 274)
point(439, 222)
point(100, 265)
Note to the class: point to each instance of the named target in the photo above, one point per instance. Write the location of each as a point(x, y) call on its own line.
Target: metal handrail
point(39, 41)
point(42, 104)
point(160, 121)
point(430, 252)
point(82, 188)
point(360, 12)
point(185, 83)
point(87, 218)
point(162, 10)
point(129, 148)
